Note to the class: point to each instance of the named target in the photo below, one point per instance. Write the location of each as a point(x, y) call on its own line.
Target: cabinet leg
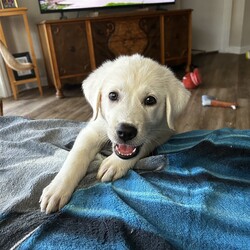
point(187, 68)
point(59, 94)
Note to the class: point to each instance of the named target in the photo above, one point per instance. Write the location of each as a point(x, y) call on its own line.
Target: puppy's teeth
point(125, 149)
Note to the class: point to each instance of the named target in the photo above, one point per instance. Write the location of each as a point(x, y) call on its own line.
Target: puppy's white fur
point(133, 78)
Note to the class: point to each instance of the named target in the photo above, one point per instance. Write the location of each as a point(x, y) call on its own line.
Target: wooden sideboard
point(74, 47)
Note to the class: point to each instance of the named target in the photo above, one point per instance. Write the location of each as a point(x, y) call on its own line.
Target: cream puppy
point(135, 102)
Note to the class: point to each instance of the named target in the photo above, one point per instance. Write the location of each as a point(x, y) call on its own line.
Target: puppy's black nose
point(126, 131)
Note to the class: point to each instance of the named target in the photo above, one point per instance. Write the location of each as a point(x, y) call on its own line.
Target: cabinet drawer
point(176, 37)
point(71, 48)
point(112, 38)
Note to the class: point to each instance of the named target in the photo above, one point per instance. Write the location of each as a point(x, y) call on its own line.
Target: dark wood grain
point(121, 36)
point(71, 48)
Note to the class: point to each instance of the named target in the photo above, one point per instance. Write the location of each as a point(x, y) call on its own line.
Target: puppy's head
point(139, 100)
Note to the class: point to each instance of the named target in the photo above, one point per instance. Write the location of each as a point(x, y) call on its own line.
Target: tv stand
point(74, 47)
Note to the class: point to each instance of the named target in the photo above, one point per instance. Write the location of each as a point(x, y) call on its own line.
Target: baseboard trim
point(236, 50)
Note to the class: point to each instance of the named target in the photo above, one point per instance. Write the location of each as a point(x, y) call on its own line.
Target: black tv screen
point(77, 5)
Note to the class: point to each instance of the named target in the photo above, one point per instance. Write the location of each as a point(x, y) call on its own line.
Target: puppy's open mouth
point(126, 151)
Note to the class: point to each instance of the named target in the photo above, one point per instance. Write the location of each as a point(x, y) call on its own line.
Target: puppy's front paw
point(113, 168)
point(55, 196)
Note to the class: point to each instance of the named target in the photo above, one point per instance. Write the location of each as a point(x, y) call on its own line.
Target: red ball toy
point(192, 79)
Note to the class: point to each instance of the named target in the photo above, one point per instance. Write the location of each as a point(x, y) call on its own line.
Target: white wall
point(220, 25)
point(207, 23)
point(4, 88)
point(240, 27)
point(246, 26)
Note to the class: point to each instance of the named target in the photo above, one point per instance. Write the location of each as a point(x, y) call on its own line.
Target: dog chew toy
point(212, 102)
point(192, 79)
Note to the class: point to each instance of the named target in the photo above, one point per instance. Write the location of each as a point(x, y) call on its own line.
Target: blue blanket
point(199, 200)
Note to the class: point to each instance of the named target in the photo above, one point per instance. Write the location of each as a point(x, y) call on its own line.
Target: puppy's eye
point(113, 96)
point(150, 101)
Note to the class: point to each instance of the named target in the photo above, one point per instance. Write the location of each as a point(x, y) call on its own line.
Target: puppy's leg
point(113, 167)
point(88, 143)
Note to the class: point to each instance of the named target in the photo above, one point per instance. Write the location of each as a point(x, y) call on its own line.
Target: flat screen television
point(47, 6)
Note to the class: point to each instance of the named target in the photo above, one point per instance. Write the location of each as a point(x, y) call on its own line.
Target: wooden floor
point(225, 76)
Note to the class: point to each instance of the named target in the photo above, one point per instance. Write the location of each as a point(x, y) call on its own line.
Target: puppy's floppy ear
point(92, 87)
point(176, 101)
point(92, 92)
